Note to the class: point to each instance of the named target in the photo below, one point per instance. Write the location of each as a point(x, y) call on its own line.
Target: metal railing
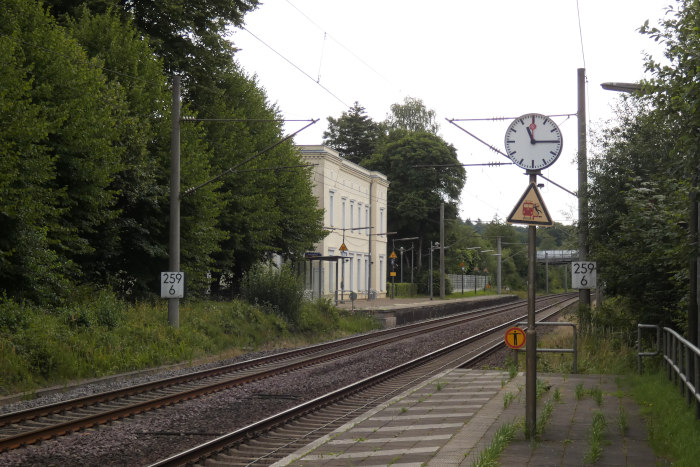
point(573, 350)
point(681, 359)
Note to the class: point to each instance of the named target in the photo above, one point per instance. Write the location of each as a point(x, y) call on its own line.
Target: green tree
point(269, 203)
point(354, 135)
point(636, 205)
point(418, 182)
point(190, 36)
point(134, 248)
point(73, 143)
point(412, 116)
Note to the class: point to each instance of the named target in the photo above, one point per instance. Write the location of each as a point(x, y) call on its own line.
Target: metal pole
point(694, 289)
point(369, 273)
point(401, 251)
point(411, 267)
point(174, 247)
point(531, 333)
point(584, 295)
point(442, 251)
point(546, 271)
point(498, 274)
point(430, 276)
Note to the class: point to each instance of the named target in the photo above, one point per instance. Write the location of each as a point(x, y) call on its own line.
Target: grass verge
point(104, 336)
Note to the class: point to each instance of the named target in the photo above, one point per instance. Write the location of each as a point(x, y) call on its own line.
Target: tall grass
point(105, 336)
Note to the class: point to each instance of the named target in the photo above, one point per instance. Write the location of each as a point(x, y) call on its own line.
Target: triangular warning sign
point(393, 255)
point(531, 209)
point(343, 247)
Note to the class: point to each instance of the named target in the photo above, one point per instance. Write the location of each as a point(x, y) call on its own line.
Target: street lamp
point(630, 88)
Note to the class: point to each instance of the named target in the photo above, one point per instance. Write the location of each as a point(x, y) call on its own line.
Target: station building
point(353, 256)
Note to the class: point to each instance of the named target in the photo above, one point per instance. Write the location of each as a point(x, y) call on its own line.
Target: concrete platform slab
point(450, 423)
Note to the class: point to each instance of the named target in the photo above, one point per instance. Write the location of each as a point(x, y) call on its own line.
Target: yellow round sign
point(515, 337)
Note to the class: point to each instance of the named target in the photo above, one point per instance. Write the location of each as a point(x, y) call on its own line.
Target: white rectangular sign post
point(583, 275)
point(172, 284)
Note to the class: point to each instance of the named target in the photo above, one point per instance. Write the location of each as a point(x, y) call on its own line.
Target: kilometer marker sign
point(515, 337)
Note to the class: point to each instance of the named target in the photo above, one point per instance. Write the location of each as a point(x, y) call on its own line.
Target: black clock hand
point(545, 141)
point(532, 140)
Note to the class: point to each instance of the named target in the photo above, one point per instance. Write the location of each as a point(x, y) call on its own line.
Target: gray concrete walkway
point(451, 419)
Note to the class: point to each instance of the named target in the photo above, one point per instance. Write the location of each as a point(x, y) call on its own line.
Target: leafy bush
point(13, 316)
point(423, 284)
point(318, 317)
point(104, 310)
point(404, 289)
point(279, 289)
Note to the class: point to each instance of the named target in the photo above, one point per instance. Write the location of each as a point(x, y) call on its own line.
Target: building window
point(331, 211)
point(352, 270)
point(381, 221)
point(359, 216)
point(359, 273)
point(342, 211)
point(352, 214)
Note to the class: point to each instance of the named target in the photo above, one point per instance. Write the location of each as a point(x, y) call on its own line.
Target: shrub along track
point(21, 428)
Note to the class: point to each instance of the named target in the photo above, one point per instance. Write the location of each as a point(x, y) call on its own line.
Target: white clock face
point(533, 141)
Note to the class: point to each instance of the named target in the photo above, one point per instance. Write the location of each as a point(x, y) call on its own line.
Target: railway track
point(30, 426)
point(271, 439)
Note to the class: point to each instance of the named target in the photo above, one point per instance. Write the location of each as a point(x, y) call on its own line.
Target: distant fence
point(681, 360)
point(468, 282)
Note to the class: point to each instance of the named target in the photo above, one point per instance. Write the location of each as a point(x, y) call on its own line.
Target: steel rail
point(199, 454)
point(101, 398)
point(111, 414)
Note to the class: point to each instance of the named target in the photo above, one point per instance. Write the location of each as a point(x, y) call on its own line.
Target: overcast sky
point(465, 60)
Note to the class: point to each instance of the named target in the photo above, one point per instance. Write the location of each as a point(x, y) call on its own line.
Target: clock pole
point(531, 333)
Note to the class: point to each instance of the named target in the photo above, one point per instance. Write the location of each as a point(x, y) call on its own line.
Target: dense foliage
point(645, 175)
point(354, 135)
point(85, 150)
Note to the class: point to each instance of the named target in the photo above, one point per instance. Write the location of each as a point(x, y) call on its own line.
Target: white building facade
point(353, 257)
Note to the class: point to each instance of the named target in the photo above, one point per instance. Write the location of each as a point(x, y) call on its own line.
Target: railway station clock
point(533, 141)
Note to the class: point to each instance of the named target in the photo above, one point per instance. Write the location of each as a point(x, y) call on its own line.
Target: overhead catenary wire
point(331, 93)
point(325, 33)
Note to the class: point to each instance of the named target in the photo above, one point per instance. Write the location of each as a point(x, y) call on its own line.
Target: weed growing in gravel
point(580, 392)
point(595, 449)
point(542, 387)
point(507, 399)
point(543, 419)
point(489, 455)
point(557, 395)
point(622, 420)
point(597, 395)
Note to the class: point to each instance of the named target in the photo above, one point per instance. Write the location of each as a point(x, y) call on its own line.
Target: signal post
point(533, 142)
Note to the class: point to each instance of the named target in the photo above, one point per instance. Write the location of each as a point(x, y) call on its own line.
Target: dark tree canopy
point(85, 153)
point(354, 135)
point(416, 193)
